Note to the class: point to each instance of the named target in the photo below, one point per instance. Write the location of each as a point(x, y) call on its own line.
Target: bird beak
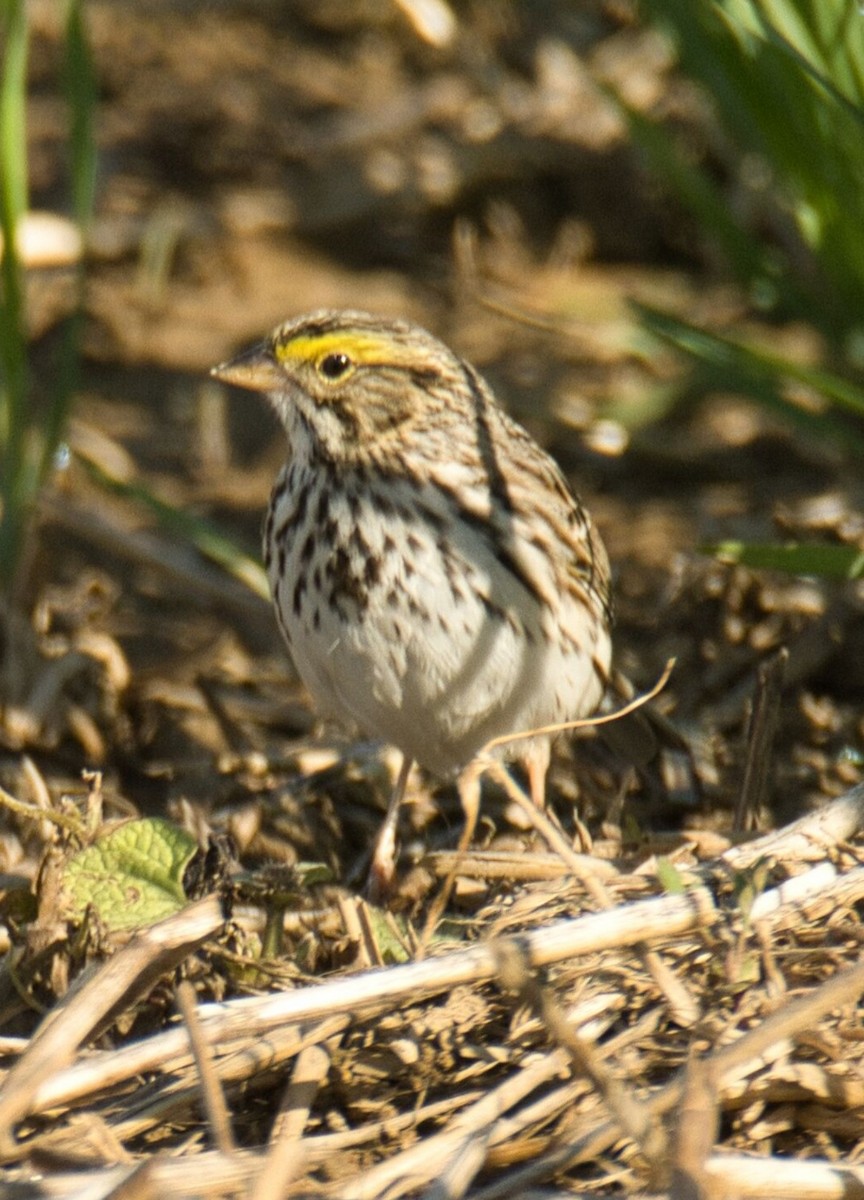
point(255, 369)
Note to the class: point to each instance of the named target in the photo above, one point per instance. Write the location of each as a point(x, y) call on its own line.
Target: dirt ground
point(257, 160)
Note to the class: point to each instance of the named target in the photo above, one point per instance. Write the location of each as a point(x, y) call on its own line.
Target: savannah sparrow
point(437, 582)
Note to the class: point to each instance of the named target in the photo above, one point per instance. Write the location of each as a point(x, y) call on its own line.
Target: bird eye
point(334, 366)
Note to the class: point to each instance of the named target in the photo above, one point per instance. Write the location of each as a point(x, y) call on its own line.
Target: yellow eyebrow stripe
point(360, 348)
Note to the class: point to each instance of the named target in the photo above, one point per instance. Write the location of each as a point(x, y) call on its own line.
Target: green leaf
point(824, 562)
point(670, 878)
point(132, 876)
point(390, 946)
point(748, 886)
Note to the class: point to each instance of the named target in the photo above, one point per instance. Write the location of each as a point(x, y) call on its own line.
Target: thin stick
point(469, 795)
point(792, 1018)
point(211, 1089)
point(286, 1156)
point(633, 1115)
point(760, 741)
point(353, 995)
point(96, 998)
point(684, 1008)
point(586, 722)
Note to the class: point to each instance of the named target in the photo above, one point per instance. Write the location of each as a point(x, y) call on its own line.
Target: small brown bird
point(435, 579)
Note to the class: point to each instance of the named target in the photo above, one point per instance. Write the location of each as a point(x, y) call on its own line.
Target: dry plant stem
point(501, 1133)
point(197, 1175)
point(287, 1154)
point(683, 1007)
point(750, 1175)
point(310, 1071)
point(800, 890)
point(29, 812)
point(775, 982)
point(848, 889)
point(40, 792)
point(96, 998)
point(175, 1099)
point(139, 1184)
point(818, 1081)
point(695, 1133)
point(661, 917)
point(632, 1114)
point(516, 866)
point(214, 1098)
point(579, 865)
point(760, 740)
point(320, 1148)
point(323, 1145)
point(212, 1174)
point(504, 1129)
point(177, 1094)
point(809, 837)
point(584, 722)
point(355, 917)
point(246, 1019)
point(796, 1016)
point(418, 1165)
point(103, 1144)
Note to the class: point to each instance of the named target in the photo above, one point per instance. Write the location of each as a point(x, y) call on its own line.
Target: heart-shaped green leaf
point(133, 876)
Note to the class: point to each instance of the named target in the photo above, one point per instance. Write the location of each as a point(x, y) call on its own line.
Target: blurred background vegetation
point(641, 220)
point(763, 157)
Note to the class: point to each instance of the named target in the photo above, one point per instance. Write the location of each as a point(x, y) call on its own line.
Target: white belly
point(420, 638)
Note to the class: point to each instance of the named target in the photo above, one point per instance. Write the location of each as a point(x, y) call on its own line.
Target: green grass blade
point(13, 205)
point(786, 87)
point(14, 381)
point(760, 373)
point(737, 356)
point(201, 533)
point(13, 145)
point(81, 92)
point(81, 95)
point(747, 255)
point(829, 36)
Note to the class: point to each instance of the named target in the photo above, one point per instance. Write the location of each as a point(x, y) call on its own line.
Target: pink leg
point(383, 866)
point(537, 764)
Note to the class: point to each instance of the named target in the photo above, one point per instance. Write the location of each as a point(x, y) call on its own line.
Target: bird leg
point(469, 796)
point(536, 764)
point(382, 869)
